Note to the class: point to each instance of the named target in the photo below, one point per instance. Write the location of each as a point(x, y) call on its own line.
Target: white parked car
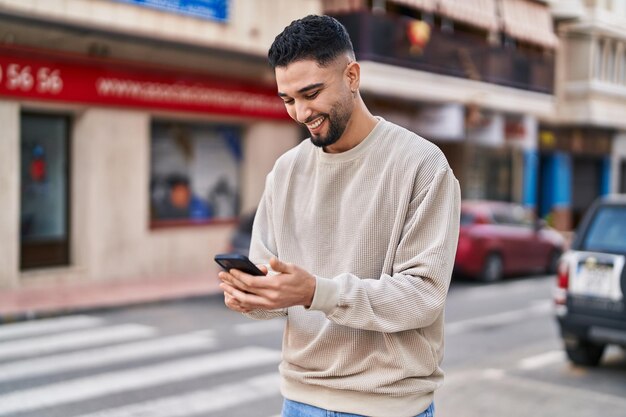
point(592, 282)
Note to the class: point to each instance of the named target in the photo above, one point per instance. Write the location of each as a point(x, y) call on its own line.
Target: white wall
point(585, 95)
point(264, 142)
point(9, 193)
point(251, 26)
point(110, 194)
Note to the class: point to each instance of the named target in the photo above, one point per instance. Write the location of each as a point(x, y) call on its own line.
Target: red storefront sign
point(24, 75)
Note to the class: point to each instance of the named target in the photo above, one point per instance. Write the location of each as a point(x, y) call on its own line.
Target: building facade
point(525, 97)
point(582, 152)
point(134, 133)
point(476, 77)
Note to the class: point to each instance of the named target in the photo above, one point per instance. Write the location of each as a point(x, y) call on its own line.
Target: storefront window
point(44, 191)
point(194, 176)
point(489, 174)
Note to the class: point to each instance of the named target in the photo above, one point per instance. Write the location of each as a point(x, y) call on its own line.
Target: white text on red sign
point(24, 78)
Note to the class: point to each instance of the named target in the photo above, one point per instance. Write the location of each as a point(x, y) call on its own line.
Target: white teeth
point(316, 123)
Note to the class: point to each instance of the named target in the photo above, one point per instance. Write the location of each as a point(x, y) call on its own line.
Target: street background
point(135, 140)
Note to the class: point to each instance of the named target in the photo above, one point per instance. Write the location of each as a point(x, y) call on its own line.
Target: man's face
point(180, 195)
point(318, 97)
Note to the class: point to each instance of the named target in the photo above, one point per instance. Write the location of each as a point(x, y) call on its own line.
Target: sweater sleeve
point(263, 243)
point(413, 296)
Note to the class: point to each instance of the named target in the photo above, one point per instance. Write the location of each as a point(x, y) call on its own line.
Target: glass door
point(44, 209)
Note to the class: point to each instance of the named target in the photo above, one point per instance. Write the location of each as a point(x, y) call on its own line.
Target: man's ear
point(353, 74)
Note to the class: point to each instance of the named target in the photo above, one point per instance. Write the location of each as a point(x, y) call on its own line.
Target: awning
point(479, 13)
point(528, 21)
point(424, 5)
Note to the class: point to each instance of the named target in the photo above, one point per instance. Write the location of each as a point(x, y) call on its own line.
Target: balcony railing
point(383, 38)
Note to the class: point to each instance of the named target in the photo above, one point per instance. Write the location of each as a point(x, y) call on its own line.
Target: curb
point(37, 302)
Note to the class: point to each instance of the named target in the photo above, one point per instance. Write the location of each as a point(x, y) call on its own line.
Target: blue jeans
point(295, 409)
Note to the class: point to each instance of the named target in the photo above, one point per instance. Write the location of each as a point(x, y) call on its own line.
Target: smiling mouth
point(316, 123)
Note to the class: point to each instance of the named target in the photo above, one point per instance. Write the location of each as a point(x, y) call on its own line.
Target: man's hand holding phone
point(291, 286)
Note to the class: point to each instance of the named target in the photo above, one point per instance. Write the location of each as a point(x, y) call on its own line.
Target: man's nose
point(303, 111)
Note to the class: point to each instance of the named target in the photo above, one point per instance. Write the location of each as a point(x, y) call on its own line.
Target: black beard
point(336, 126)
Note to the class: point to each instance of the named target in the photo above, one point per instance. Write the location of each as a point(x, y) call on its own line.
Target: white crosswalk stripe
point(62, 365)
point(95, 386)
point(92, 358)
point(30, 328)
point(540, 309)
point(541, 360)
point(204, 401)
point(74, 340)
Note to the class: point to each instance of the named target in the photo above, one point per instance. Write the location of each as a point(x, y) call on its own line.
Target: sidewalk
point(64, 298)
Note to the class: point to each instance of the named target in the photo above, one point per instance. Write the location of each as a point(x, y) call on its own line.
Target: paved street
point(196, 358)
point(504, 358)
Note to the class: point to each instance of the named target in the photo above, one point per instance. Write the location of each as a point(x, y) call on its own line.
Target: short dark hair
point(174, 180)
point(321, 38)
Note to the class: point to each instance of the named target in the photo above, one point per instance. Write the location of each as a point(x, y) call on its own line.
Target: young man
point(359, 225)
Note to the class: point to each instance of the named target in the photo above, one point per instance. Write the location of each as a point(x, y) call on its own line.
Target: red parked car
point(498, 239)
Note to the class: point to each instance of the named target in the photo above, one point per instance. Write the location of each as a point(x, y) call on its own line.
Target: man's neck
point(359, 127)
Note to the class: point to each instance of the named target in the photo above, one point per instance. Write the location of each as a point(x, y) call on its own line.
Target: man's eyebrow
point(304, 89)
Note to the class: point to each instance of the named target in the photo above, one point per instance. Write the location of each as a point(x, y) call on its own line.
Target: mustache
point(317, 116)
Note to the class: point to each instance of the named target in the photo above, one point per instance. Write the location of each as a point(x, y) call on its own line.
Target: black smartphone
point(230, 261)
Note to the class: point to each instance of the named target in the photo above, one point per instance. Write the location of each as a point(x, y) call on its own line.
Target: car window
point(607, 231)
point(501, 217)
point(513, 216)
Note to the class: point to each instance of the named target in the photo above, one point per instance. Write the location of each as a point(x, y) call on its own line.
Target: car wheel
point(553, 262)
point(585, 353)
point(493, 268)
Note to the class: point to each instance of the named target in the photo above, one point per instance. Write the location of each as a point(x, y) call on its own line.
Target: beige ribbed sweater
point(377, 225)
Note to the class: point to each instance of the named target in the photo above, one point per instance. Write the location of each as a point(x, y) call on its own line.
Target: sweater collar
point(357, 150)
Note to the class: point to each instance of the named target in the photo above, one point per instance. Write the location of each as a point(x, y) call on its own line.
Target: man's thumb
point(263, 269)
point(277, 265)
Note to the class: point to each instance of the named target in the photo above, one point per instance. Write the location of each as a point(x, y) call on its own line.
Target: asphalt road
point(196, 358)
point(504, 358)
